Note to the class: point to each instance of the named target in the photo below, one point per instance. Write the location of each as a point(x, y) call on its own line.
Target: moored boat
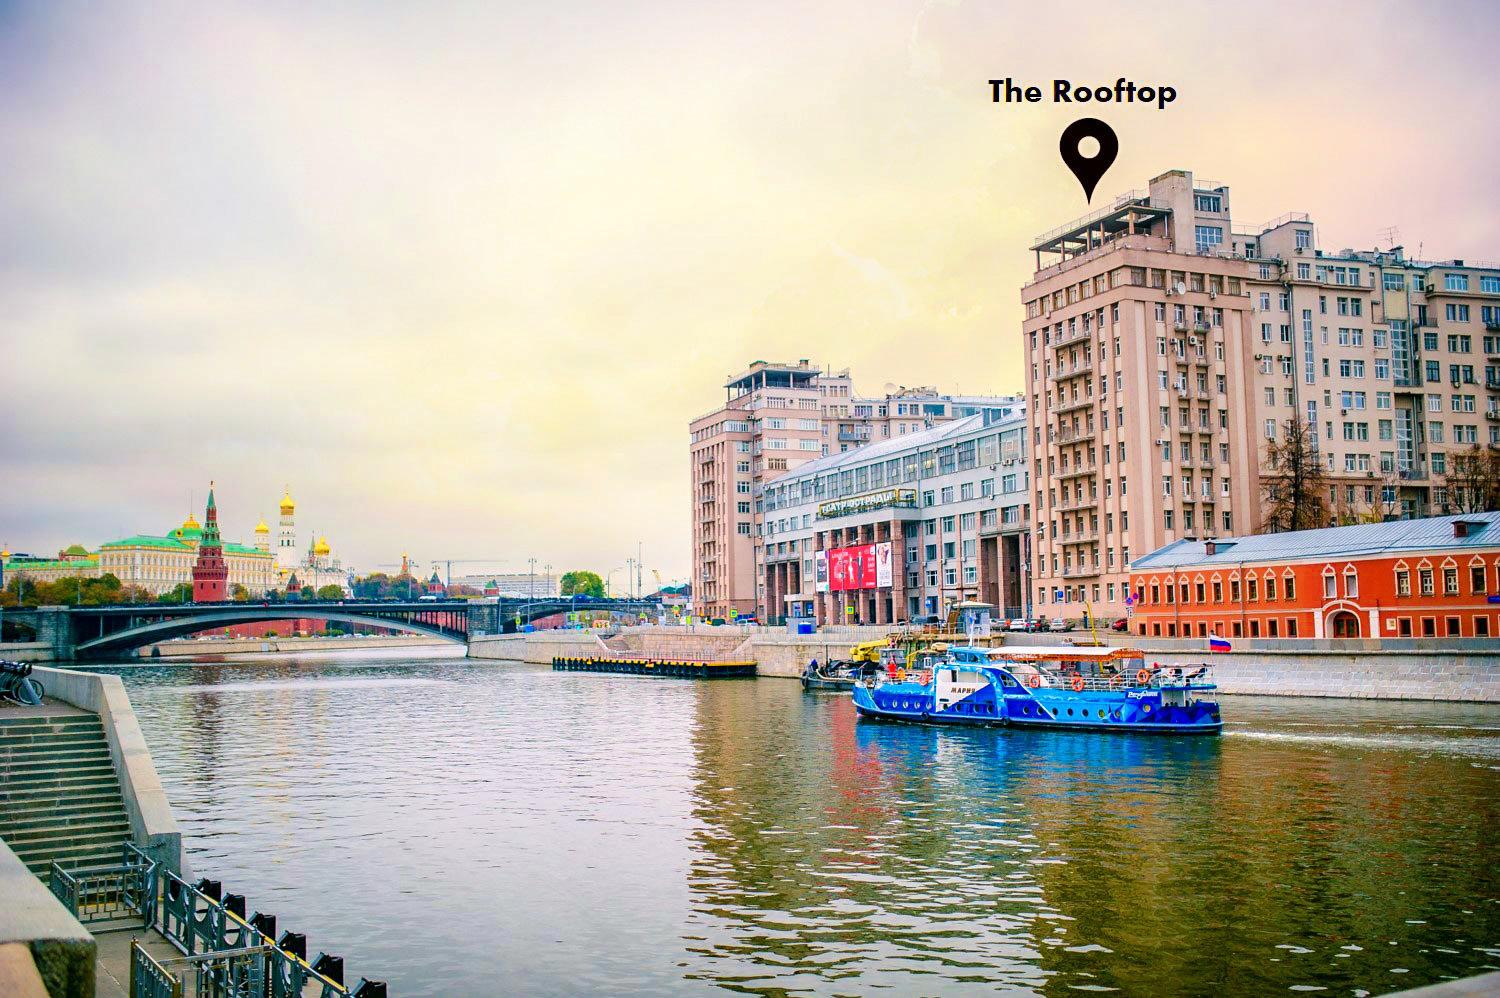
point(1093, 689)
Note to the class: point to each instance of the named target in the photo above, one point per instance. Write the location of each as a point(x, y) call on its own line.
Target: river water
point(459, 827)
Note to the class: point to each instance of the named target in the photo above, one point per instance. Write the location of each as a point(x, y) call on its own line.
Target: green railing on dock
point(124, 891)
point(224, 953)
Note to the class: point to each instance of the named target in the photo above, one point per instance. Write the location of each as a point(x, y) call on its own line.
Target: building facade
point(776, 418)
point(159, 564)
point(1432, 577)
point(1165, 348)
point(75, 562)
point(902, 528)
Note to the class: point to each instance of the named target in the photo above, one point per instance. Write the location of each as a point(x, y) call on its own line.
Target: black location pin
point(1089, 169)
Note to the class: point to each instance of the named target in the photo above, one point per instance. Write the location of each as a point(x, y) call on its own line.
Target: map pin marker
point(1089, 169)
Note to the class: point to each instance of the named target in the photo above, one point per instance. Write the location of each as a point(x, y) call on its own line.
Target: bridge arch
point(140, 635)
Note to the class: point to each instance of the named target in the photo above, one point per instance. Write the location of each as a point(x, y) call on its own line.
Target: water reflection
point(466, 828)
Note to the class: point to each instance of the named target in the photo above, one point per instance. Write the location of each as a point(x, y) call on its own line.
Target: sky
point(460, 274)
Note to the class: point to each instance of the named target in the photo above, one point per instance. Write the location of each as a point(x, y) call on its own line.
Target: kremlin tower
point(210, 574)
point(286, 538)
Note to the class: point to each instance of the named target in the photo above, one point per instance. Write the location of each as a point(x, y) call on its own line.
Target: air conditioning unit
point(1171, 292)
point(1212, 295)
point(1192, 341)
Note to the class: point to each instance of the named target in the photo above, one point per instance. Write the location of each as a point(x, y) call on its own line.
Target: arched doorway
point(1343, 624)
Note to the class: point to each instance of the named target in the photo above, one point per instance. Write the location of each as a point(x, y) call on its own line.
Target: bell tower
point(286, 534)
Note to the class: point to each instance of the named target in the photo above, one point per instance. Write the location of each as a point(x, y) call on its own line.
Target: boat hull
point(1132, 711)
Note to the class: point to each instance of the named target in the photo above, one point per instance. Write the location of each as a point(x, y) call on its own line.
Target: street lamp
point(609, 579)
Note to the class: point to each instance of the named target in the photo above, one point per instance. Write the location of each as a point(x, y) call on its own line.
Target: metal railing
point(236, 973)
point(203, 921)
point(1126, 679)
point(93, 894)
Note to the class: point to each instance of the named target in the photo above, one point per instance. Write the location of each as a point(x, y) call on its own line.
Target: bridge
point(104, 631)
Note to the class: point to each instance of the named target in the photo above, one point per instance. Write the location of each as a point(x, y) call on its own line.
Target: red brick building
point(1435, 577)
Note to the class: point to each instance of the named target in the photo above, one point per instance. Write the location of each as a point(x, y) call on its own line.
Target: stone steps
point(60, 798)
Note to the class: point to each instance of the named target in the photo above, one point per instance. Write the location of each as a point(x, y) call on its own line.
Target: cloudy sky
point(462, 273)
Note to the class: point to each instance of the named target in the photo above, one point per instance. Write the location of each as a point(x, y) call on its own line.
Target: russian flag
point(1216, 643)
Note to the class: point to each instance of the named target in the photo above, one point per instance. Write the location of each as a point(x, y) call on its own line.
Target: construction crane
point(447, 563)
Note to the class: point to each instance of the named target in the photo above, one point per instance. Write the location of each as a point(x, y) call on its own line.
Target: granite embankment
point(1409, 669)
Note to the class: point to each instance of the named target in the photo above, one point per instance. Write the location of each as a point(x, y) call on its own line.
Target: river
point(458, 827)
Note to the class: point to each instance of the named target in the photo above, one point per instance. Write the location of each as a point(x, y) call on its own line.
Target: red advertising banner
point(851, 568)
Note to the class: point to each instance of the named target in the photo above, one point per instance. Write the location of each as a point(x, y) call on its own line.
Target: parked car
point(1122, 624)
point(429, 598)
point(1060, 624)
point(1019, 624)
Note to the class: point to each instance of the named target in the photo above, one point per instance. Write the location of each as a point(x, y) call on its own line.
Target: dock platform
point(664, 668)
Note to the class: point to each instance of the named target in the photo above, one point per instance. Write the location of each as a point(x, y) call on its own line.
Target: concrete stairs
point(60, 798)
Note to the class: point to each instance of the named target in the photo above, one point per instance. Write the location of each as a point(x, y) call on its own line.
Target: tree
point(582, 583)
point(1294, 483)
point(331, 593)
point(180, 593)
point(239, 593)
point(1474, 480)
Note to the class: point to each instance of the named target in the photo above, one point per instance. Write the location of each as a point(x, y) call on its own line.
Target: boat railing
point(1199, 677)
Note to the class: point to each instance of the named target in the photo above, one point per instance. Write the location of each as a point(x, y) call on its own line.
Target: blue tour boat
point(1092, 689)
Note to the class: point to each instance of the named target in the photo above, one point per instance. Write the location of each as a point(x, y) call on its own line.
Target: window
point(1403, 583)
point(1450, 582)
point(743, 529)
point(1456, 282)
point(1303, 237)
point(1424, 577)
point(1206, 237)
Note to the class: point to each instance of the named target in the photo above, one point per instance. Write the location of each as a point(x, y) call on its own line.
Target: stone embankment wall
point(26, 651)
point(1403, 669)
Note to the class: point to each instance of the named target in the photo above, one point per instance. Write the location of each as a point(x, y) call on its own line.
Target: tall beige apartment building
point(775, 417)
point(1165, 347)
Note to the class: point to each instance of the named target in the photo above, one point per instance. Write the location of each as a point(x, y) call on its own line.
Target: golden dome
point(261, 528)
point(322, 546)
point(191, 523)
point(287, 506)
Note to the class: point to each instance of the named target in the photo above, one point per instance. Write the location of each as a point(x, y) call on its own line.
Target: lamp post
point(609, 580)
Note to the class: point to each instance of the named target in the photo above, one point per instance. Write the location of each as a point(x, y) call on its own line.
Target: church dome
point(321, 547)
point(261, 528)
point(287, 506)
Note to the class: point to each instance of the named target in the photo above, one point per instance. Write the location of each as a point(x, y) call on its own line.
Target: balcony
point(1073, 505)
point(1080, 336)
point(1072, 406)
point(857, 434)
point(1075, 472)
point(1079, 537)
point(1070, 436)
point(1071, 372)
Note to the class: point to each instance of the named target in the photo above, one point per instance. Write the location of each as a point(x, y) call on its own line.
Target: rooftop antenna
point(1390, 234)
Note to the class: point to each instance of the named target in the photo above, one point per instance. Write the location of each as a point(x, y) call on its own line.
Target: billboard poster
point(853, 567)
point(820, 571)
point(883, 565)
